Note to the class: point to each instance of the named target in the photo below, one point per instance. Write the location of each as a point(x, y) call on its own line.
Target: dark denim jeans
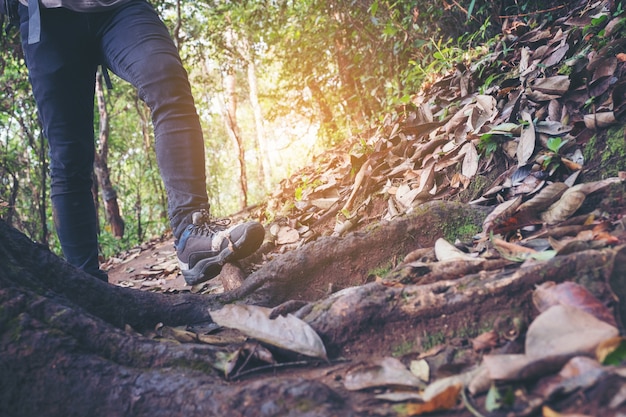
point(133, 42)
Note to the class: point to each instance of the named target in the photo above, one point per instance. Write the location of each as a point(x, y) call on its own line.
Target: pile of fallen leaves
point(546, 92)
point(572, 345)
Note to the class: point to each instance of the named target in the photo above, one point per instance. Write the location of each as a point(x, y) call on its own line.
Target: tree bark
point(101, 166)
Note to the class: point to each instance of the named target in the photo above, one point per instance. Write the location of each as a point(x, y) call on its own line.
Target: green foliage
point(305, 187)
point(488, 144)
point(556, 143)
point(608, 151)
point(381, 270)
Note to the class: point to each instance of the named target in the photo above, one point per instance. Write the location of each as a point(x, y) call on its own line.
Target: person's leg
point(137, 46)
point(62, 74)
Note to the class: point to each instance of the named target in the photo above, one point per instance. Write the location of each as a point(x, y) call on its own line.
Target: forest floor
point(540, 176)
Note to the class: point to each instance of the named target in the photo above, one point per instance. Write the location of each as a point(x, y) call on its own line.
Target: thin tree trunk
point(43, 199)
point(261, 147)
point(326, 115)
point(144, 115)
point(109, 195)
point(12, 198)
point(38, 193)
point(230, 116)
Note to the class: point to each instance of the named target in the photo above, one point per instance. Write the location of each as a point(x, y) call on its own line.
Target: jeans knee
point(70, 182)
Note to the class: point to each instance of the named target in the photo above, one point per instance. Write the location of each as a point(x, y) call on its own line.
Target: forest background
point(275, 81)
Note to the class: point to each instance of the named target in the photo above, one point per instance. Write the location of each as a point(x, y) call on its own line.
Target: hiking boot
point(206, 245)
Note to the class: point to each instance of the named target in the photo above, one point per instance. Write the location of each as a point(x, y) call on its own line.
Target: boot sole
point(209, 268)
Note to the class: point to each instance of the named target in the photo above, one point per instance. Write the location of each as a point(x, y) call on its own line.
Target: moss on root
point(606, 154)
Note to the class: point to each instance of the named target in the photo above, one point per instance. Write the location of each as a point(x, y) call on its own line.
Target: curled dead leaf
point(526, 145)
point(558, 84)
point(570, 201)
point(287, 332)
point(385, 372)
point(512, 251)
point(549, 294)
point(445, 251)
point(599, 120)
point(544, 199)
point(485, 341)
point(470, 161)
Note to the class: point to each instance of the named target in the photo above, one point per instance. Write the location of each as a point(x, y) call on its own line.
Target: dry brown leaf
point(552, 128)
point(501, 213)
point(599, 120)
point(364, 172)
point(544, 199)
point(485, 341)
point(570, 293)
point(512, 251)
point(427, 179)
point(526, 145)
point(286, 235)
point(420, 368)
point(445, 251)
point(558, 84)
point(563, 330)
point(556, 55)
point(470, 161)
point(445, 400)
point(608, 347)
point(287, 332)
point(570, 201)
point(548, 412)
point(385, 372)
point(405, 195)
point(592, 187)
point(554, 337)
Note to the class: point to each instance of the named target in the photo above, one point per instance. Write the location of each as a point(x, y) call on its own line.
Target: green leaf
point(374, 8)
point(555, 144)
point(493, 401)
point(543, 255)
point(470, 9)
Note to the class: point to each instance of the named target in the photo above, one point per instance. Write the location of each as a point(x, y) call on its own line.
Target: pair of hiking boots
point(206, 245)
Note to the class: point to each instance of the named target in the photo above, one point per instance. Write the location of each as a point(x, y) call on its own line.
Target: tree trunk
point(327, 119)
point(144, 115)
point(10, 205)
point(43, 173)
point(230, 118)
point(101, 167)
point(260, 143)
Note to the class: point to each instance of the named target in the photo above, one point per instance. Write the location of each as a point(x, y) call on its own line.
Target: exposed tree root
point(65, 348)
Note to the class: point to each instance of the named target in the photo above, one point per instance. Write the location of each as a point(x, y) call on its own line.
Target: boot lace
point(204, 225)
